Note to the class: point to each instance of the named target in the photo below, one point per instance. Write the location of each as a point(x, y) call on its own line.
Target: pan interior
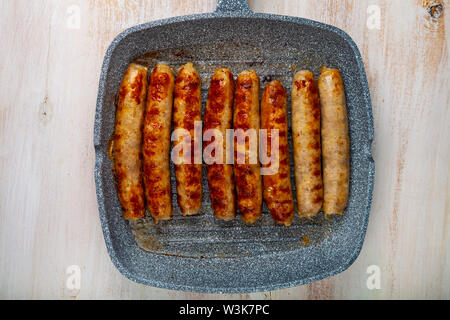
point(203, 235)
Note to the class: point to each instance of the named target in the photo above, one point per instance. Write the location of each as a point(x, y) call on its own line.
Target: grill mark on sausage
point(136, 88)
point(159, 82)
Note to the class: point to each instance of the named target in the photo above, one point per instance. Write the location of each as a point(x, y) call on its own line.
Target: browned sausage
point(306, 136)
point(127, 141)
point(335, 141)
point(277, 186)
point(218, 115)
point(187, 110)
point(247, 175)
point(156, 147)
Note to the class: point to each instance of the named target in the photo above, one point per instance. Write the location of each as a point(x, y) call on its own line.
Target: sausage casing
point(187, 110)
point(335, 141)
point(218, 115)
point(247, 176)
point(277, 186)
point(127, 141)
point(307, 151)
point(156, 146)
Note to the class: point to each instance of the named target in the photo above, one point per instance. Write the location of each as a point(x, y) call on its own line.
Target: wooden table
point(51, 53)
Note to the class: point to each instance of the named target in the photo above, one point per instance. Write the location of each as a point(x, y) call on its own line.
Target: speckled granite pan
point(200, 253)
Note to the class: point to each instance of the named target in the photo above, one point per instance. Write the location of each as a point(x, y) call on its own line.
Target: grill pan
point(203, 254)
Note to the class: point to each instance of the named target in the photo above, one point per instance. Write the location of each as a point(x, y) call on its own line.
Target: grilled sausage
point(187, 110)
point(127, 141)
point(156, 146)
point(306, 136)
point(247, 175)
point(218, 115)
point(277, 186)
point(335, 141)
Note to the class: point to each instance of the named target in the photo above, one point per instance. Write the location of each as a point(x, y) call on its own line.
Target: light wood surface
point(48, 89)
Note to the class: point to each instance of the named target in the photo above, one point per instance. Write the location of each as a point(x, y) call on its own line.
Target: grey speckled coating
point(200, 253)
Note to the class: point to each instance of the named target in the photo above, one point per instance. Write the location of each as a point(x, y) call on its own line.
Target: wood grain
point(48, 89)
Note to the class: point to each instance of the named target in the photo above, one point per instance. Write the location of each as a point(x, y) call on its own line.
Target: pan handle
point(229, 6)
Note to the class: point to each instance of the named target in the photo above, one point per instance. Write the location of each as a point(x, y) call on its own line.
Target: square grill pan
point(200, 253)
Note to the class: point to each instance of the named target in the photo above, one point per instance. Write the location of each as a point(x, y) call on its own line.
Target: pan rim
point(99, 157)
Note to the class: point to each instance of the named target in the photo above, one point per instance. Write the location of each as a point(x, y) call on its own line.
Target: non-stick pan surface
point(201, 253)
